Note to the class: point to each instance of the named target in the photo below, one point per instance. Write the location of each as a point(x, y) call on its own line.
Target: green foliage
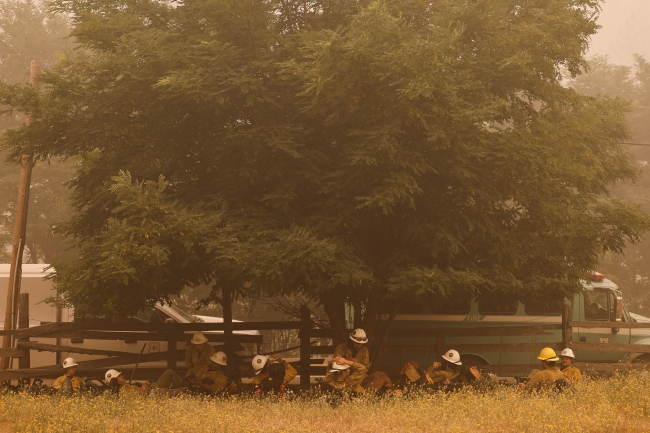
point(361, 151)
point(28, 32)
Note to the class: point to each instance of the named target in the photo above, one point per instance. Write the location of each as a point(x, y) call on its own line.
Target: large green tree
point(27, 32)
point(366, 152)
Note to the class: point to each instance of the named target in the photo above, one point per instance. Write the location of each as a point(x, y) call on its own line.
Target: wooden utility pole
point(20, 230)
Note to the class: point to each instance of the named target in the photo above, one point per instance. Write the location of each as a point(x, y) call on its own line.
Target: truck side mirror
point(618, 311)
point(618, 308)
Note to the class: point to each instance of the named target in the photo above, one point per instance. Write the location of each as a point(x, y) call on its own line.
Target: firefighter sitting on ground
point(549, 376)
point(413, 376)
point(117, 383)
point(261, 366)
point(197, 358)
point(355, 348)
point(68, 383)
point(445, 372)
point(169, 383)
point(344, 374)
point(571, 374)
point(241, 368)
point(215, 380)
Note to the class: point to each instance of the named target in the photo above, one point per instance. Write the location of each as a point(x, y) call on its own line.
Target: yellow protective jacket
point(350, 383)
point(289, 374)
point(76, 382)
point(435, 376)
point(572, 374)
point(345, 351)
point(197, 363)
point(218, 378)
point(546, 377)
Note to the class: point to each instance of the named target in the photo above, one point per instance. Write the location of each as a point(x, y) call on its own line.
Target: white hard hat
point(336, 367)
point(259, 362)
point(199, 338)
point(219, 358)
point(453, 357)
point(568, 353)
point(358, 336)
point(69, 362)
point(111, 374)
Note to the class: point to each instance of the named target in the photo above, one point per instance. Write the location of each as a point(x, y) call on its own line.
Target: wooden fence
point(172, 333)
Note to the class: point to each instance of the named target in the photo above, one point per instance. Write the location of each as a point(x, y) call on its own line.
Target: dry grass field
point(620, 404)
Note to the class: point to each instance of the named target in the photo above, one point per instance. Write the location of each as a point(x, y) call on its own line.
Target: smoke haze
point(624, 31)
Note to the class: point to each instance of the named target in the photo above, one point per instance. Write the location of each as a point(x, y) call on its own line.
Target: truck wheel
point(473, 360)
point(643, 359)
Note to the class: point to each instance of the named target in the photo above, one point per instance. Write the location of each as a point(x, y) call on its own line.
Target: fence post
point(227, 325)
point(567, 325)
point(305, 331)
point(23, 323)
point(59, 318)
point(171, 350)
point(440, 347)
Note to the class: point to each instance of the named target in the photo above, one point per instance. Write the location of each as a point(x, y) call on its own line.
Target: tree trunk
point(33, 253)
point(370, 317)
point(335, 310)
point(358, 319)
point(380, 335)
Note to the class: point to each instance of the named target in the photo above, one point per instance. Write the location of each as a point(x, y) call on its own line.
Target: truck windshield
point(185, 316)
point(154, 315)
point(596, 305)
point(151, 315)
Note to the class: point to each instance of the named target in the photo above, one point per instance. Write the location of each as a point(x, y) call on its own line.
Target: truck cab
point(600, 301)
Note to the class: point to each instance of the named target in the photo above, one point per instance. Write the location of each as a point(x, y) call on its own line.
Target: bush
point(618, 404)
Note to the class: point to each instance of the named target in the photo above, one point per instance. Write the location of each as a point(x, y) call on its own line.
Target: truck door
point(85, 343)
point(598, 306)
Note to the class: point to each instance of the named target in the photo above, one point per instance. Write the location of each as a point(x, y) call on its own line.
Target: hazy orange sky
point(626, 30)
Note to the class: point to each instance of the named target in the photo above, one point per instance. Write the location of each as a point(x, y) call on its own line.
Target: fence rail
point(147, 327)
point(172, 333)
point(492, 331)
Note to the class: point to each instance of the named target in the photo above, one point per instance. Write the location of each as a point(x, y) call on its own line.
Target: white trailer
point(40, 313)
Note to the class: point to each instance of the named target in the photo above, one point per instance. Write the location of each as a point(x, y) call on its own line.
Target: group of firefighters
point(347, 371)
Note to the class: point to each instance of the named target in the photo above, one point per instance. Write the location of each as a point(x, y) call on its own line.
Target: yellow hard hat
point(548, 354)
